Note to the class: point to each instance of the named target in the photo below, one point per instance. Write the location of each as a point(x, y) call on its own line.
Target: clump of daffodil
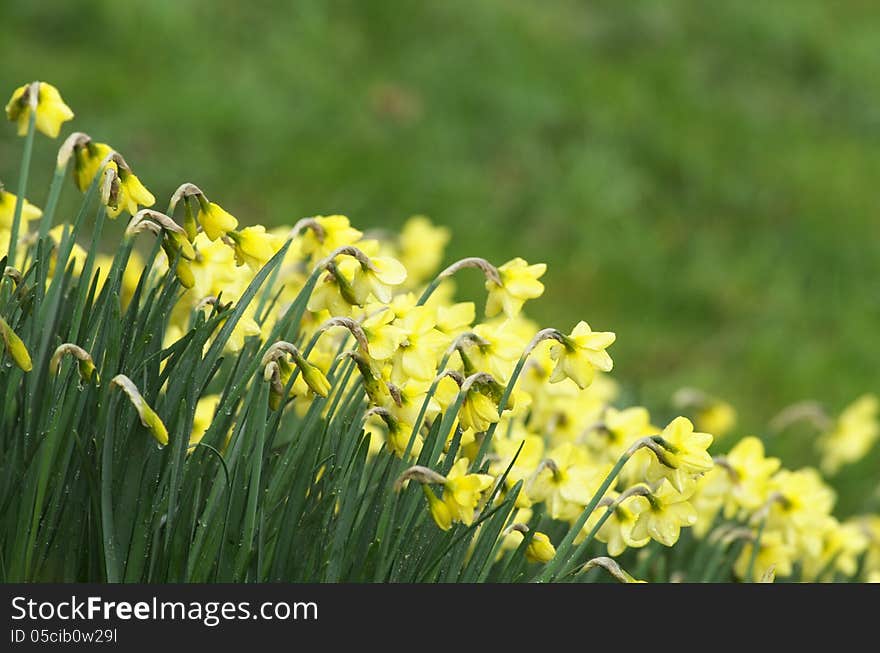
point(852, 436)
point(45, 99)
point(580, 354)
point(517, 282)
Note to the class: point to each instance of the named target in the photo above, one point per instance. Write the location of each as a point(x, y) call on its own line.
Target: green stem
point(22, 185)
point(52, 201)
point(756, 546)
point(587, 540)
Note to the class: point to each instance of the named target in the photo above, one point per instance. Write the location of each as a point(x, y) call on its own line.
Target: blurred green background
point(701, 177)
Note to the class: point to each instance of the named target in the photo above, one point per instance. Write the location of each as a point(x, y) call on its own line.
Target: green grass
point(701, 177)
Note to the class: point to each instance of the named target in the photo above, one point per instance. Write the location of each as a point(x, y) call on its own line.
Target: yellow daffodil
point(422, 344)
point(663, 513)
point(716, 417)
point(328, 233)
point(580, 354)
point(617, 430)
point(519, 282)
point(774, 553)
point(750, 472)
point(253, 246)
point(421, 248)
point(215, 220)
point(843, 545)
point(617, 530)
point(128, 194)
point(29, 212)
point(377, 278)
point(52, 112)
point(684, 454)
point(540, 549)
point(567, 482)
point(478, 411)
point(800, 508)
point(87, 162)
point(206, 407)
point(439, 509)
point(462, 491)
point(852, 436)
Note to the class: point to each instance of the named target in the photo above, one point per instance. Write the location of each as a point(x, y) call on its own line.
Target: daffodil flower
point(51, 110)
point(580, 354)
point(376, 277)
point(124, 192)
point(417, 355)
point(852, 436)
point(462, 491)
point(29, 212)
point(519, 282)
point(800, 507)
point(87, 162)
point(567, 481)
point(684, 454)
point(439, 510)
point(421, 247)
point(253, 246)
point(322, 235)
point(478, 411)
point(206, 408)
point(215, 220)
point(662, 513)
point(749, 471)
point(774, 553)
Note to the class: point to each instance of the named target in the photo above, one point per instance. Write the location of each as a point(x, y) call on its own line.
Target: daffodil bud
point(85, 364)
point(439, 510)
point(16, 348)
point(313, 376)
point(540, 549)
point(147, 415)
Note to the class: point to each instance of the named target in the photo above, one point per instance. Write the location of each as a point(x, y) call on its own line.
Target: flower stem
point(22, 185)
